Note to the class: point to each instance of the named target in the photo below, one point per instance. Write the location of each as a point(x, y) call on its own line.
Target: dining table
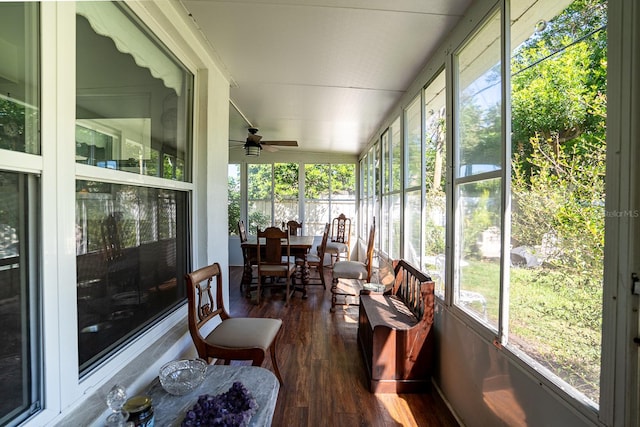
point(299, 247)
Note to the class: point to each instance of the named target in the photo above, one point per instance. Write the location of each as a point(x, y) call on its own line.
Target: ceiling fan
point(254, 144)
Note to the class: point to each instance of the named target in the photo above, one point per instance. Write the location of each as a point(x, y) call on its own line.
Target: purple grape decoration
point(232, 408)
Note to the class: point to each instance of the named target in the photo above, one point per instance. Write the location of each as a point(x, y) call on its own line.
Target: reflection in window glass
point(557, 188)
point(19, 77)
point(259, 197)
point(478, 249)
point(131, 261)
point(19, 352)
point(435, 181)
point(119, 125)
point(480, 102)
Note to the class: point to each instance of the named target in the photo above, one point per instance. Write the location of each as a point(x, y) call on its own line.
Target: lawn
point(555, 318)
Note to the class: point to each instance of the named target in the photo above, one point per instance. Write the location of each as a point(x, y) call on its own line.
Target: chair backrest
point(370, 244)
point(294, 227)
point(274, 240)
point(202, 306)
point(323, 245)
point(341, 229)
point(242, 231)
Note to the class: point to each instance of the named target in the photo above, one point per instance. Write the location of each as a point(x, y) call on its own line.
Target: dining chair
point(339, 244)
point(316, 260)
point(249, 261)
point(274, 259)
point(233, 338)
point(294, 227)
point(355, 270)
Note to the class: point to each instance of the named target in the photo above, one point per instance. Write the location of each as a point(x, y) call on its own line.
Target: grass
point(556, 319)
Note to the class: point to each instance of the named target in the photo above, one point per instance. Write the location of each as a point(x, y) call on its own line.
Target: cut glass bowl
point(181, 376)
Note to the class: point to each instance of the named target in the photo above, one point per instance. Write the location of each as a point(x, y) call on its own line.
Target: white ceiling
point(322, 72)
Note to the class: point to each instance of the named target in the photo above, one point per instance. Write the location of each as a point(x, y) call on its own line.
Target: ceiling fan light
point(252, 149)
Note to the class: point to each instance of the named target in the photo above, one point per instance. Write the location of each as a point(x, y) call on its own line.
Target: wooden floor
point(322, 368)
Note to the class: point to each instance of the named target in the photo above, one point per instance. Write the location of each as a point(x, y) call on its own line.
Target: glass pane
point(435, 182)
point(343, 181)
point(480, 101)
point(395, 142)
point(19, 77)
point(558, 189)
point(316, 216)
point(384, 226)
point(412, 228)
point(413, 123)
point(316, 181)
point(259, 198)
point(126, 117)
point(386, 159)
point(478, 248)
point(286, 190)
point(131, 260)
point(233, 177)
point(395, 238)
point(19, 353)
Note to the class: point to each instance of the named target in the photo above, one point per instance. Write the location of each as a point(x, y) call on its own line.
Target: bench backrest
point(414, 288)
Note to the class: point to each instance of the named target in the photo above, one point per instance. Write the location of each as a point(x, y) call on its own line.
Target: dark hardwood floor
point(322, 368)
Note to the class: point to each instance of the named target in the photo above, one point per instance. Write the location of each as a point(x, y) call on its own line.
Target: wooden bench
point(395, 332)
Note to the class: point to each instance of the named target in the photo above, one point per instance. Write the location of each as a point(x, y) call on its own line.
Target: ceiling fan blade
point(281, 143)
point(269, 148)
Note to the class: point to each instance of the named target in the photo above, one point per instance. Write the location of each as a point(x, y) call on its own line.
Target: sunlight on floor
point(398, 409)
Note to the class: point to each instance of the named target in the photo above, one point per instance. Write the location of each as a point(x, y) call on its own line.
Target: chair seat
point(277, 268)
point(245, 332)
point(336, 247)
point(350, 270)
point(313, 258)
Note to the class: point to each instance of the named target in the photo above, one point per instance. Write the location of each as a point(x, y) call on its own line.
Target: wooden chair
point(339, 244)
point(355, 270)
point(274, 259)
point(294, 227)
point(249, 260)
point(317, 260)
point(234, 338)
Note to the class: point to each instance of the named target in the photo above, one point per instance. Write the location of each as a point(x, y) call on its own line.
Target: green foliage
point(233, 194)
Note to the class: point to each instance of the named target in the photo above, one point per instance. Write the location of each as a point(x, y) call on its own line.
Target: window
point(259, 196)
point(131, 249)
point(131, 240)
point(21, 352)
point(19, 293)
point(392, 187)
point(477, 183)
point(558, 92)
point(435, 181)
point(413, 182)
point(127, 118)
point(19, 78)
point(329, 191)
point(545, 301)
point(234, 194)
point(286, 190)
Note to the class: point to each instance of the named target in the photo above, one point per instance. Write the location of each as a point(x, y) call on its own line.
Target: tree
point(558, 139)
